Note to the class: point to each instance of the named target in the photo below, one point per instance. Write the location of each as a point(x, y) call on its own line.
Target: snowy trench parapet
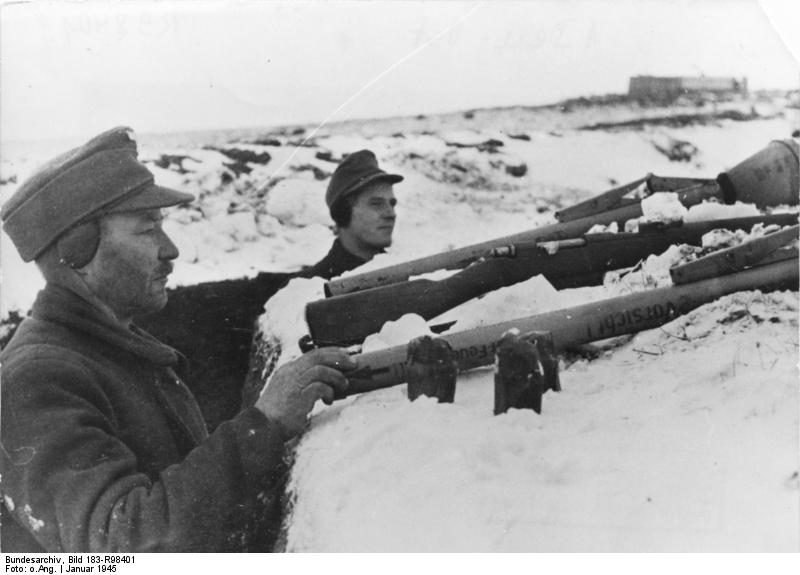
point(392, 447)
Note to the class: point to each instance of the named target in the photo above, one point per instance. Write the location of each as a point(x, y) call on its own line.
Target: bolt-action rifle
point(767, 178)
point(749, 270)
point(347, 319)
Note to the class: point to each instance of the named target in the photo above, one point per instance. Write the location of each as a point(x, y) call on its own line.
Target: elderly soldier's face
point(372, 222)
point(129, 271)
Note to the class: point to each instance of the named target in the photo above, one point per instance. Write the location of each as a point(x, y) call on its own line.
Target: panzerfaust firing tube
point(459, 258)
point(577, 325)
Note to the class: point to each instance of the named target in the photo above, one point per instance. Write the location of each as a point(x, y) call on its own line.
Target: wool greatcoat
point(104, 448)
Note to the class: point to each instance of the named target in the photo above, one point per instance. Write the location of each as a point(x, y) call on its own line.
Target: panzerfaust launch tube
point(581, 324)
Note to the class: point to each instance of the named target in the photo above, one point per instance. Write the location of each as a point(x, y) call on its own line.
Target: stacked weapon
point(583, 261)
point(764, 263)
point(567, 256)
point(767, 178)
point(564, 253)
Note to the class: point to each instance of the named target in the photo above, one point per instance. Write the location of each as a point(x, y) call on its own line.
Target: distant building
point(665, 89)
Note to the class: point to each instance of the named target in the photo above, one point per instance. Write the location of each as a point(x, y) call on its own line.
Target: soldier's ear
point(77, 246)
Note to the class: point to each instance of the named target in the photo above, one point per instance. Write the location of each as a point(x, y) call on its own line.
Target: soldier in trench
point(361, 200)
point(103, 446)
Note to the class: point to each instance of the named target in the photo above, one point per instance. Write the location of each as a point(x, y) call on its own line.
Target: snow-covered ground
point(683, 438)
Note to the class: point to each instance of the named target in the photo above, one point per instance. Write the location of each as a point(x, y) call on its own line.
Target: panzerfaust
point(767, 178)
point(347, 319)
point(611, 317)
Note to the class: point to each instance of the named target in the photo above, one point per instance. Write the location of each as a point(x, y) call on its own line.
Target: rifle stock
point(580, 324)
point(349, 318)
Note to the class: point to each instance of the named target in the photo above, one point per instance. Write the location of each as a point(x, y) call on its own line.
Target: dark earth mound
point(212, 324)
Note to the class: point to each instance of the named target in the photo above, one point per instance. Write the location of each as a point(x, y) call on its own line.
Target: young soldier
point(361, 201)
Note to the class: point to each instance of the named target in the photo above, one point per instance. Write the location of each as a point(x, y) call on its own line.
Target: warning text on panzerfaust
point(476, 352)
point(632, 319)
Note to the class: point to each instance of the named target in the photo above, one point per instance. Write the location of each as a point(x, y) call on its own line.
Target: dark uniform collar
point(340, 252)
point(337, 261)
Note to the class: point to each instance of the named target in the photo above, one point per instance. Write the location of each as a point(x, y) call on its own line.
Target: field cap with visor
point(356, 171)
point(103, 176)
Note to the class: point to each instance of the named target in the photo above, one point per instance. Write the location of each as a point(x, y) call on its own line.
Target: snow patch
point(662, 207)
point(717, 211)
point(399, 332)
point(298, 202)
point(34, 523)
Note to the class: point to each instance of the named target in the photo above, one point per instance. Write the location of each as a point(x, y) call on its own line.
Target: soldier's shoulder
point(36, 342)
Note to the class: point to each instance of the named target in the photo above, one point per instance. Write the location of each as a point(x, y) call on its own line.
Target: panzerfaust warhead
point(599, 320)
point(347, 319)
point(767, 178)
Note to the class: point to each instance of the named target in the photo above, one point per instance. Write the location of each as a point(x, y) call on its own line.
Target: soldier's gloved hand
point(295, 387)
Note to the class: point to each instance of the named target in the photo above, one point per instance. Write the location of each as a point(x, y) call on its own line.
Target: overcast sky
point(72, 69)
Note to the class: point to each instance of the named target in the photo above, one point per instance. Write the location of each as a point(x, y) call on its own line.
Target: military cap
point(354, 173)
point(102, 176)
